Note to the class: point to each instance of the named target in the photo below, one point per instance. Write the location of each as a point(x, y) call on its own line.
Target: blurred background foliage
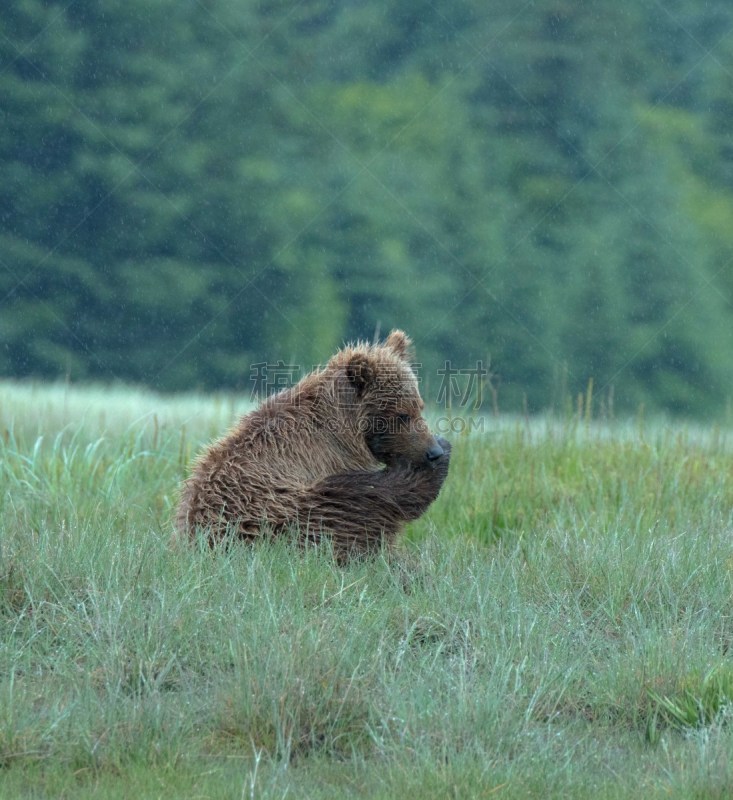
point(192, 186)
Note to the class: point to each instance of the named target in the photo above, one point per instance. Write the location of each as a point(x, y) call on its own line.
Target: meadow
point(559, 625)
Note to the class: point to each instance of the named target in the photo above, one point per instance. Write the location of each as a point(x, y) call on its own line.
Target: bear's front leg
point(360, 510)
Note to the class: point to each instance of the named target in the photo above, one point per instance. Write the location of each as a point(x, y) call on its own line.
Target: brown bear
point(344, 453)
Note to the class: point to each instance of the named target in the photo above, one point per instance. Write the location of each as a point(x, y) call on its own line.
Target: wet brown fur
point(342, 453)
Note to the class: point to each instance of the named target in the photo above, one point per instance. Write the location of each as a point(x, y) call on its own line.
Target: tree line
point(190, 188)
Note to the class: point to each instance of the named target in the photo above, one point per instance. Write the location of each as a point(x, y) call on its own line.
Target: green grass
point(559, 625)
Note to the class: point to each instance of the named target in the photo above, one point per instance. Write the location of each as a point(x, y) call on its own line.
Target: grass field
point(559, 625)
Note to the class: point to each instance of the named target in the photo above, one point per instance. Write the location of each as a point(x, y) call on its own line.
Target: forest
point(191, 187)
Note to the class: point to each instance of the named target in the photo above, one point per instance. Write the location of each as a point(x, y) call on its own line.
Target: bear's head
point(378, 385)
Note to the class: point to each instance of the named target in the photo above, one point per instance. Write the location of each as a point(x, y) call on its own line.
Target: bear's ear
point(400, 344)
point(359, 372)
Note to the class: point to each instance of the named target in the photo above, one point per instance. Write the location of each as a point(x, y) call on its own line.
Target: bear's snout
point(436, 451)
point(440, 449)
